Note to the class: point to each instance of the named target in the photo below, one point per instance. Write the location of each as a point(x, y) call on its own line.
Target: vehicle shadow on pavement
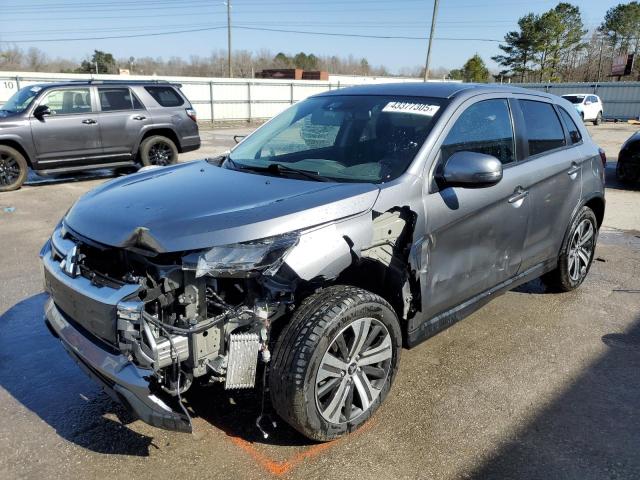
point(591, 431)
point(37, 372)
point(235, 413)
point(34, 179)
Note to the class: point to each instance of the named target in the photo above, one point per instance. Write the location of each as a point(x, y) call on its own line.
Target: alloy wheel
point(160, 154)
point(9, 169)
point(581, 250)
point(353, 370)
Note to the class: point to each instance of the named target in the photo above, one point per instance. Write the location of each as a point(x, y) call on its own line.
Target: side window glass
point(65, 102)
point(485, 127)
point(113, 99)
point(574, 132)
point(543, 127)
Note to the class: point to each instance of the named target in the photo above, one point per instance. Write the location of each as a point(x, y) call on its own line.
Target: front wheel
point(335, 362)
point(158, 150)
point(13, 169)
point(576, 255)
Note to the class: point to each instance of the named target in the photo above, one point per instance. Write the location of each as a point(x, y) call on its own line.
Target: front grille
point(94, 316)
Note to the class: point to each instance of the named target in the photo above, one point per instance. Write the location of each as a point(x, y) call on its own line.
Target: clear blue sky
point(489, 19)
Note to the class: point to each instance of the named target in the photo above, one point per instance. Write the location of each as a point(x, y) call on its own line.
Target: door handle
point(575, 168)
point(519, 194)
point(89, 121)
point(139, 117)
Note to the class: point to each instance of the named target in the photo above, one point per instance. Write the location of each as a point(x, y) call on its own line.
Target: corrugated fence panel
point(621, 99)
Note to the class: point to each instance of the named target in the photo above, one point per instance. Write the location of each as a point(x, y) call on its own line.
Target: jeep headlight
point(243, 259)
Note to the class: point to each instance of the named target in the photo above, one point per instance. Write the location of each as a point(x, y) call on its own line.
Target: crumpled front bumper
point(121, 379)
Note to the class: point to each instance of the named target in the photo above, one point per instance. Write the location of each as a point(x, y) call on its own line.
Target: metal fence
point(621, 99)
point(215, 99)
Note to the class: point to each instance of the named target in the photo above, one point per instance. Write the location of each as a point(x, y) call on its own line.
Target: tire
point(158, 150)
point(13, 169)
point(569, 275)
point(625, 174)
point(598, 119)
point(305, 379)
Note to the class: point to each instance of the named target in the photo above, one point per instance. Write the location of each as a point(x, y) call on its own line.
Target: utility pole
point(600, 59)
point(228, 2)
point(433, 29)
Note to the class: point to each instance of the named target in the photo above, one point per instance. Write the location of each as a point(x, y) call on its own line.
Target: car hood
point(197, 205)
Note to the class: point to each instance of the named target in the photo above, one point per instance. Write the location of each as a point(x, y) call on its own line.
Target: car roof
point(579, 95)
point(429, 89)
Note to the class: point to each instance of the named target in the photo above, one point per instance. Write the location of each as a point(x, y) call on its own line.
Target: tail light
point(192, 114)
point(603, 157)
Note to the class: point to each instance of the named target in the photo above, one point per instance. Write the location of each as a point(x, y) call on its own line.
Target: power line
point(244, 27)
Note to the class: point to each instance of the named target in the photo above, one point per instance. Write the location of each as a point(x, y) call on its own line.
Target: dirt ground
point(534, 385)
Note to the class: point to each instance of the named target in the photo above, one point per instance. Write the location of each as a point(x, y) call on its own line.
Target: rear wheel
point(598, 119)
point(13, 169)
point(158, 150)
point(625, 173)
point(576, 255)
point(335, 362)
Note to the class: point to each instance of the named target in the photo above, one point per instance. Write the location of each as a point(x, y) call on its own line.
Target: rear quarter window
point(572, 128)
point(543, 128)
point(165, 96)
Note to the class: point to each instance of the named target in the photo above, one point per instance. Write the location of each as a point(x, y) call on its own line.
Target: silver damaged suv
point(355, 222)
point(75, 126)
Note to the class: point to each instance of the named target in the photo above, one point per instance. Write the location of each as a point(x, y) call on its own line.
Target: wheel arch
point(9, 142)
point(597, 204)
point(163, 131)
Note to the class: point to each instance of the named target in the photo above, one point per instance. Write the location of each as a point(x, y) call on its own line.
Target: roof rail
point(127, 82)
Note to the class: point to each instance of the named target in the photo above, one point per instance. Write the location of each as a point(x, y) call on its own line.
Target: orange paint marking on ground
point(280, 468)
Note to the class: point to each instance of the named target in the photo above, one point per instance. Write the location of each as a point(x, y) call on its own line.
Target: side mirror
point(41, 111)
point(472, 170)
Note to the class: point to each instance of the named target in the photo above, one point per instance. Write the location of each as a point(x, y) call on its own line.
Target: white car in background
point(589, 106)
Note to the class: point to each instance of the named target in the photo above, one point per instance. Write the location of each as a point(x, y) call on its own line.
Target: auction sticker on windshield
point(413, 108)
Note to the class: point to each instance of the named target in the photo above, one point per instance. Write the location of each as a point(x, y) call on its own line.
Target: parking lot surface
point(534, 385)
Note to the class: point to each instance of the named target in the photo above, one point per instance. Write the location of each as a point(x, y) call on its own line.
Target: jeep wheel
point(598, 119)
point(577, 253)
point(13, 169)
point(626, 173)
point(335, 362)
point(158, 150)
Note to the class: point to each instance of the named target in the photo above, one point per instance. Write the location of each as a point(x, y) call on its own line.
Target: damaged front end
point(148, 326)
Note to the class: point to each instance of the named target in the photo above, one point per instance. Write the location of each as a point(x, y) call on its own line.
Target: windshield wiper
point(279, 169)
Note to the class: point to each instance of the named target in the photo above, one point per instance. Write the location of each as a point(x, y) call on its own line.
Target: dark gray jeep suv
point(75, 126)
point(354, 222)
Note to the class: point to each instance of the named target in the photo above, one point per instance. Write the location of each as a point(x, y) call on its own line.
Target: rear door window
point(543, 128)
point(115, 99)
point(165, 96)
point(484, 127)
point(574, 132)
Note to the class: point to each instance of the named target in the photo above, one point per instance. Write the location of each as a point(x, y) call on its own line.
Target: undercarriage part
point(242, 362)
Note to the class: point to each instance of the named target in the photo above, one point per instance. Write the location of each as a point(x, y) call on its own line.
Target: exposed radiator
point(242, 361)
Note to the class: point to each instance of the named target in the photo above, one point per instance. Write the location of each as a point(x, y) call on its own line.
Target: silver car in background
point(355, 222)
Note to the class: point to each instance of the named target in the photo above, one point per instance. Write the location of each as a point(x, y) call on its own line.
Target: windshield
point(21, 100)
point(574, 98)
point(350, 138)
